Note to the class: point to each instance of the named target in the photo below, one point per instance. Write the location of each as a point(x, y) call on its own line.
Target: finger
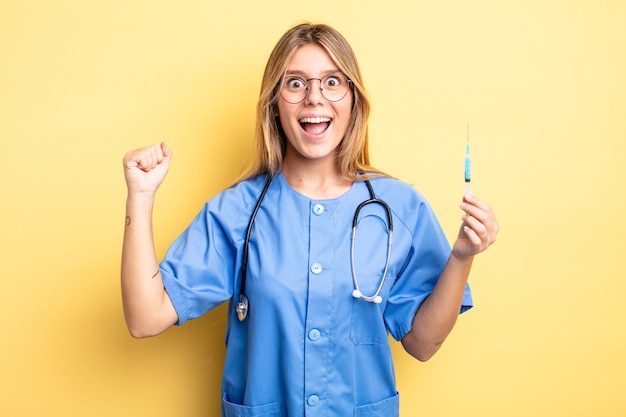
point(148, 158)
point(145, 161)
point(476, 226)
point(472, 210)
point(485, 231)
point(129, 162)
point(472, 200)
point(167, 153)
point(480, 210)
point(472, 235)
point(158, 153)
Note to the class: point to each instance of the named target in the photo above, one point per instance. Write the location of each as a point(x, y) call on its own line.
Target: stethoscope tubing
point(375, 298)
point(242, 306)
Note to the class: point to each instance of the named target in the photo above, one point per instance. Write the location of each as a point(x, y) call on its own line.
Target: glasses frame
point(307, 83)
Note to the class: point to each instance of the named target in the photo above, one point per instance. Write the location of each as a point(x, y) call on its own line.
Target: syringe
point(468, 165)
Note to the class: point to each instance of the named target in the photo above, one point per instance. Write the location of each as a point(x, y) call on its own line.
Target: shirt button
point(318, 209)
point(314, 334)
point(313, 400)
point(316, 268)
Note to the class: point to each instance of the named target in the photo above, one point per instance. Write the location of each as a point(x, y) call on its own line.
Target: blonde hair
point(270, 142)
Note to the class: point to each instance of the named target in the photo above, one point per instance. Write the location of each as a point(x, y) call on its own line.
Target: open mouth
point(315, 125)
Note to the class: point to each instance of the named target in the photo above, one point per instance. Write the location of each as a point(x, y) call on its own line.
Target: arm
point(147, 308)
point(436, 317)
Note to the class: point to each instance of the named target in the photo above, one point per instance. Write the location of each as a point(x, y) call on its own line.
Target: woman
point(312, 299)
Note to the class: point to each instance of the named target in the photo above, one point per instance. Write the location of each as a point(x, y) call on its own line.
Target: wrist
point(140, 196)
point(139, 204)
point(461, 259)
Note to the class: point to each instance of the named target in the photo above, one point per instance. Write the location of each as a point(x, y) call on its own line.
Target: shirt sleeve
point(428, 256)
point(198, 267)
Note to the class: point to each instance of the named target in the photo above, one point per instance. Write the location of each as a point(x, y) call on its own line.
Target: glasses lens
point(293, 89)
point(334, 87)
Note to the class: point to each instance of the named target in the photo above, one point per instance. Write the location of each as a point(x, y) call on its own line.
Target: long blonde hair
point(269, 141)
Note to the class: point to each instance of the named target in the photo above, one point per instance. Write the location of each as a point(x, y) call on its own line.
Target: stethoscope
point(243, 304)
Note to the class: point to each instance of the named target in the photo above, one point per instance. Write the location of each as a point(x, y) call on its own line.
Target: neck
point(316, 179)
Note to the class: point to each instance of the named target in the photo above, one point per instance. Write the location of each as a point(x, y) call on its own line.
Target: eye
point(332, 81)
point(295, 83)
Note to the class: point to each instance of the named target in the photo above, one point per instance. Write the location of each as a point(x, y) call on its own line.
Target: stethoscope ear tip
point(357, 294)
point(378, 299)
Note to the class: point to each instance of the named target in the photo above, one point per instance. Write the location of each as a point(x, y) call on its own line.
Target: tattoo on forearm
point(156, 273)
point(127, 220)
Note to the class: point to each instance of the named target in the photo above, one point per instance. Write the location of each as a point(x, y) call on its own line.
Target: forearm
point(147, 308)
point(435, 319)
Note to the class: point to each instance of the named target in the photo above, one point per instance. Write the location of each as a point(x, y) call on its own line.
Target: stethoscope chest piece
point(376, 299)
point(242, 307)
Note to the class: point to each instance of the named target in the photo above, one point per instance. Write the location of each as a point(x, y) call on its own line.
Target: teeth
point(315, 120)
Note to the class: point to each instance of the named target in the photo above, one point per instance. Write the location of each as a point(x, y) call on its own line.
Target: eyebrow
point(303, 74)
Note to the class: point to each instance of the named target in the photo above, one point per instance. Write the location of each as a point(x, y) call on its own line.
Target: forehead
point(311, 59)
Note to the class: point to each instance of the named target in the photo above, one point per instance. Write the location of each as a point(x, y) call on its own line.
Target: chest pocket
point(370, 257)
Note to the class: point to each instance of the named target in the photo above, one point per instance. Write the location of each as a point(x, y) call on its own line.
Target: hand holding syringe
point(480, 227)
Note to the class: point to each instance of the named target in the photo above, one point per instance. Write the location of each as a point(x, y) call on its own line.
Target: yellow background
point(541, 83)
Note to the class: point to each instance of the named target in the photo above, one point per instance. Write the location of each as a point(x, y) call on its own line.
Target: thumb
point(167, 153)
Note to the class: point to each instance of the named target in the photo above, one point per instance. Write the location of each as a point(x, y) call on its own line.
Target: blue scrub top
point(308, 347)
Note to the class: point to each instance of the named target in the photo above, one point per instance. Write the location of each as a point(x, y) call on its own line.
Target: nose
point(314, 94)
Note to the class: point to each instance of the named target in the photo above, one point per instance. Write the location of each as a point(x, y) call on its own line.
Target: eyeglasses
point(333, 87)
